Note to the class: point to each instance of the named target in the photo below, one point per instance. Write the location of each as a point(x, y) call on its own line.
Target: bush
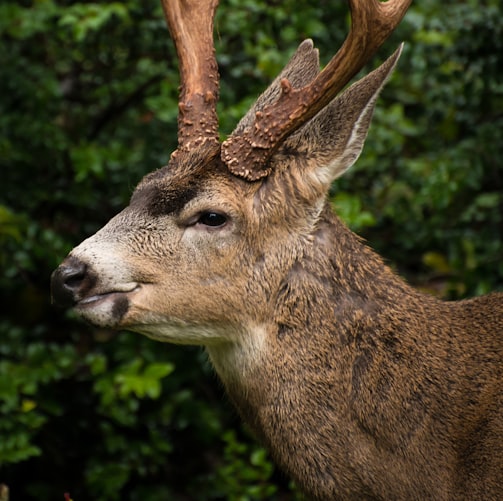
point(89, 93)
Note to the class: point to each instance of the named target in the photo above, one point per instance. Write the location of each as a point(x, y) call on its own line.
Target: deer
point(360, 386)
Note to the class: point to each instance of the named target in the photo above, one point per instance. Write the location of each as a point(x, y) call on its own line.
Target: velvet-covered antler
point(190, 23)
point(247, 153)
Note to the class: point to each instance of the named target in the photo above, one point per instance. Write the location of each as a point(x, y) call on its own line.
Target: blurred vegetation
point(88, 106)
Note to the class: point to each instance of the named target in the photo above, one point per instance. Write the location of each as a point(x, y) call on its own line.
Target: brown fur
point(361, 387)
point(370, 390)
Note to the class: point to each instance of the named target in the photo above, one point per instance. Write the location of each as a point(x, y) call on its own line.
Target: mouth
point(105, 296)
point(106, 309)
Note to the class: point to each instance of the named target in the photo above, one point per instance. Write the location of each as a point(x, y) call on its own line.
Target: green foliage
point(431, 170)
point(88, 106)
point(246, 473)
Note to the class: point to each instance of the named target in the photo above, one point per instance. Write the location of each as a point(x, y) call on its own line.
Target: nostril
point(73, 276)
point(67, 282)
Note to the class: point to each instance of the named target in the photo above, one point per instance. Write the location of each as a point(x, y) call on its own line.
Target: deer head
point(198, 255)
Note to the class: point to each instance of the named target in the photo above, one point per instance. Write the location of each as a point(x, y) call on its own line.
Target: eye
point(213, 219)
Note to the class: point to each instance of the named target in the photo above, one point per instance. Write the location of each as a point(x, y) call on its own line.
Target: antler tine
point(247, 154)
point(190, 23)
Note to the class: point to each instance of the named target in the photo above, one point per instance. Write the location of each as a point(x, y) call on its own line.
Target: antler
point(190, 23)
point(247, 154)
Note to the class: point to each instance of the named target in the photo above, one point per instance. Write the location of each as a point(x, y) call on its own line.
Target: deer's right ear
point(332, 141)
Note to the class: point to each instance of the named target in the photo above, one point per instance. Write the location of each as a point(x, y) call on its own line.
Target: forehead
point(167, 190)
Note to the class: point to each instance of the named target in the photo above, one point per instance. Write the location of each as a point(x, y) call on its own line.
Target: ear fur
point(300, 70)
point(332, 141)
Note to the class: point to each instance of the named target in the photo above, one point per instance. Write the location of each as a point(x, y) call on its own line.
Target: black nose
point(67, 282)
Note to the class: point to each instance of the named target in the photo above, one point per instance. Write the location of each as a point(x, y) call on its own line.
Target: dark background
point(88, 103)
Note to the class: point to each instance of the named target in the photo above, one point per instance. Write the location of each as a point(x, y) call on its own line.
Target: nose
point(68, 282)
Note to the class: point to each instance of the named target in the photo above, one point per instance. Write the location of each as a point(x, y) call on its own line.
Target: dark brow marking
point(169, 189)
point(161, 200)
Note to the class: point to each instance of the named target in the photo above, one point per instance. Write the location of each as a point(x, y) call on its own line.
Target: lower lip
point(91, 301)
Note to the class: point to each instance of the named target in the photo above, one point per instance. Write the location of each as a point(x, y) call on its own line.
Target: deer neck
point(330, 293)
point(296, 379)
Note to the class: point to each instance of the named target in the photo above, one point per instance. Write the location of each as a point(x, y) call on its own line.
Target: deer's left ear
point(332, 141)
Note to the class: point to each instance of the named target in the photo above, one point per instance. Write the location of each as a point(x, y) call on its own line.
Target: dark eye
point(213, 219)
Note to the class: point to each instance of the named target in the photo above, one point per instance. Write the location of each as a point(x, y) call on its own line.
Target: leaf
point(86, 18)
point(437, 262)
point(349, 208)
